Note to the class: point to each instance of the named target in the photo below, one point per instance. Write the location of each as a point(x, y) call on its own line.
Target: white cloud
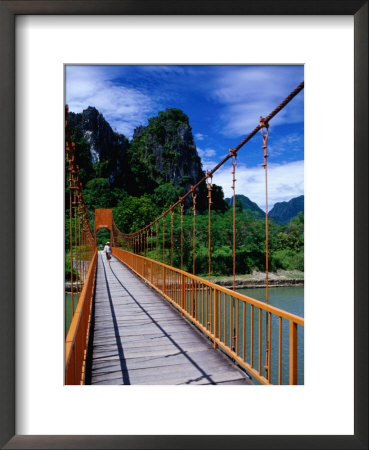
point(123, 107)
point(251, 92)
point(199, 136)
point(206, 155)
point(284, 182)
point(210, 152)
point(290, 143)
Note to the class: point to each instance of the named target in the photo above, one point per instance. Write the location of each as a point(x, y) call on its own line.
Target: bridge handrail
point(77, 337)
point(259, 304)
point(163, 281)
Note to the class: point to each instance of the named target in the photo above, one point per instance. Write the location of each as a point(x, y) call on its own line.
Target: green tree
point(99, 194)
point(166, 194)
point(102, 236)
point(217, 197)
point(133, 213)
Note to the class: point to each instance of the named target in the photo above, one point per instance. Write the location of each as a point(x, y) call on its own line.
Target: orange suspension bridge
point(141, 320)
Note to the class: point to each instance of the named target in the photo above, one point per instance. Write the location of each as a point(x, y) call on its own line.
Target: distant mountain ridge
point(283, 212)
point(247, 204)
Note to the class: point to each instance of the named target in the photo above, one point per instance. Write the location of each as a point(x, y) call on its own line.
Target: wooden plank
point(191, 360)
point(139, 338)
point(152, 374)
point(219, 378)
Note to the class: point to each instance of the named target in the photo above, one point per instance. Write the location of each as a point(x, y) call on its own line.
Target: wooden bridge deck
point(139, 338)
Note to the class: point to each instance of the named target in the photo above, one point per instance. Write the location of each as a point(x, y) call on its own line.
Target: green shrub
point(67, 269)
point(287, 260)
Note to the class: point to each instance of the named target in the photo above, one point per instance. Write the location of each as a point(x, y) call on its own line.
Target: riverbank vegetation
point(286, 243)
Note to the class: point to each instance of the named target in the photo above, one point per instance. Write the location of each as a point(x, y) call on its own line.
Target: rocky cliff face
point(167, 150)
point(107, 149)
point(162, 151)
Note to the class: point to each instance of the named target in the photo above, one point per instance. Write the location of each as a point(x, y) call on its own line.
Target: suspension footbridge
point(140, 319)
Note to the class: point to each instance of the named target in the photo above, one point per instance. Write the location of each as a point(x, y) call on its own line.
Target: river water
point(290, 299)
point(68, 310)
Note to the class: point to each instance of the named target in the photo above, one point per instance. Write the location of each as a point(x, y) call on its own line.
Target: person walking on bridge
point(107, 250)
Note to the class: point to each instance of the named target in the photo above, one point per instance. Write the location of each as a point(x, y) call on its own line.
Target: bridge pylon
point(104, 220)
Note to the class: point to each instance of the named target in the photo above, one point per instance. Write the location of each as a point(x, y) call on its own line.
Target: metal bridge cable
point(79, 244)
point(147, 241)
point(194, 195)
point(75, 249)
point(157, 241)
point(171, 236)
point(284, 103)
point(112, 238)
point(234, 163)
point(164, 239)
point(208, 300)
point(83, 252)
point(182, 206)
point(71, 247)
point(210, 179)
point(85, 256)
point(265, 134)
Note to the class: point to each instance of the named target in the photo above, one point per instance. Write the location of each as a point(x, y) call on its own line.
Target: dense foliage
point(102, 237)
point(286, 243)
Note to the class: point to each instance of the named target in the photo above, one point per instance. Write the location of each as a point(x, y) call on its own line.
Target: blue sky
point(223, 104)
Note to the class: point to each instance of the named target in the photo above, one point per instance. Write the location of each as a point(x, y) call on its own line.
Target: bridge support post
point(293, 352)
point(216, 319)
point(183, 292)
point(164, 276)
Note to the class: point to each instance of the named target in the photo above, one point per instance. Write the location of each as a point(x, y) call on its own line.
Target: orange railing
point(78, 334)
point(234, 322)
point(82, 258)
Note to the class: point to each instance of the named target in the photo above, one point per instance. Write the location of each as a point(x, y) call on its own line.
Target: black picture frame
point(8, 11)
